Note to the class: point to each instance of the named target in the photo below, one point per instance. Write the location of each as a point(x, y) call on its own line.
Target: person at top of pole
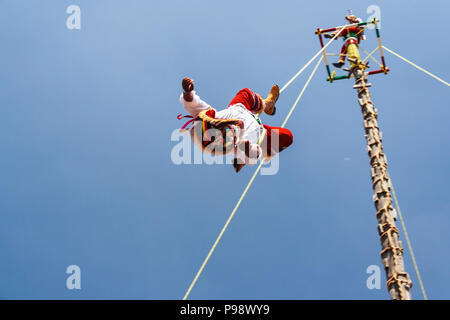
point(256, 140)
point(350, 35)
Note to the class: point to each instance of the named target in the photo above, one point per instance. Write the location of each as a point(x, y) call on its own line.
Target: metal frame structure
point(332, 75)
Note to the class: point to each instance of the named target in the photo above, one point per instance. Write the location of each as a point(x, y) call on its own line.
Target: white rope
point(309, 62)
point(416, 66)
point(405, 232)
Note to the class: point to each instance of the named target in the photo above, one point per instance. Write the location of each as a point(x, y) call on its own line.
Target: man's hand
point(188, 86)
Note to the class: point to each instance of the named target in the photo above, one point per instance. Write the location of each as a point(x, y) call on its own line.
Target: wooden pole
point(398, 280)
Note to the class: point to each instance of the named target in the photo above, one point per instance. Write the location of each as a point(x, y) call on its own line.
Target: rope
point(416, 66)
point(309, 62)
point(301, 93)
point(336, 54)
point(402, 221)
point(416, 268)
point(246, 189)
point(369, 55)
point(361, 30)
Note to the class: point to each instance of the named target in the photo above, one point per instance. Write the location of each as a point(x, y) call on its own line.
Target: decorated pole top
point(352, 35)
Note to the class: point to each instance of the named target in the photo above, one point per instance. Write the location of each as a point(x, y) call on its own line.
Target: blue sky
point(86, 176)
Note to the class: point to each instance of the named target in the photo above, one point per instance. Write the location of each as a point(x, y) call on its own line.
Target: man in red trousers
point(257, 140)
point(350, 35)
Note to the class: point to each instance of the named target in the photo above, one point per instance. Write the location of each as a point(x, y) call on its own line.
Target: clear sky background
point(86, 176)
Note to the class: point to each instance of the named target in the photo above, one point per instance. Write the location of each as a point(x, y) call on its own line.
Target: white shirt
point(253, 129)
point(195, 106)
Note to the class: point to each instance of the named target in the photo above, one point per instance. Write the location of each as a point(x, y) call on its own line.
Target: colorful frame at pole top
point(331, 75)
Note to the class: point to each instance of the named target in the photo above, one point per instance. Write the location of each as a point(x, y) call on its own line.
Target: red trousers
point(344, 49)
point(277, 139)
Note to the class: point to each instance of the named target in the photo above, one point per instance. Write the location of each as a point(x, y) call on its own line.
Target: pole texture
point(398, 281)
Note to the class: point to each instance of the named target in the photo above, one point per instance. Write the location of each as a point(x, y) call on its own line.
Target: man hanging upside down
point(250, 140)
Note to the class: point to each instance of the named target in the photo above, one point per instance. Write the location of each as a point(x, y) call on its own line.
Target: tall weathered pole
point(398, 280)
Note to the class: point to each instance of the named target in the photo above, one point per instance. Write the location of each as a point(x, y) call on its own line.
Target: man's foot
point(328, 35)
point(269, 102)
point(338, 64)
